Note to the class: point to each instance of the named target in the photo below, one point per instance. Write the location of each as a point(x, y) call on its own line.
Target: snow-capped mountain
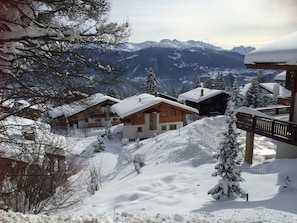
point(176, 64)
point(166, 43)
point(243, 50)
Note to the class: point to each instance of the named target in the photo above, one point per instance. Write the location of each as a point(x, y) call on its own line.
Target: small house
point(40, 157)
point(93, 111)
point(23, 108)
point(207, 101)
point(272, 90)
point(145, 115)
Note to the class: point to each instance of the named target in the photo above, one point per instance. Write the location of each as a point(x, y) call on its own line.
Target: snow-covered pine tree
point(100, 145)
point(228, 162)
point(253, 95)
point(112, 92)
point(198, 82)
point(219, 82)
point(261, 77)
point(237, 97)
point(151, 83)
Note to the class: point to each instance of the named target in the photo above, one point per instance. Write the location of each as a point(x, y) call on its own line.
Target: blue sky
point(224, 23)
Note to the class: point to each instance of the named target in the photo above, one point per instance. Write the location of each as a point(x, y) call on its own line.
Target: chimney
point(201, 92)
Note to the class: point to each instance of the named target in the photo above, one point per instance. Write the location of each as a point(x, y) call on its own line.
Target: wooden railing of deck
point(269, 127)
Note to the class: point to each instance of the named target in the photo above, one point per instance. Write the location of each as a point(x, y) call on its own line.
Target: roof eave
point(273, 66)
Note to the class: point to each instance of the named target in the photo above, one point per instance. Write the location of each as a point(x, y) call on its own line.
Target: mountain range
point(176, 64)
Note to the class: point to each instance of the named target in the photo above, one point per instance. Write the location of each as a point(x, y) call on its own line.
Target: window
point(139, 129)
point(172, 127)
point(163, 127)
point(173, 112)
point(107, 111)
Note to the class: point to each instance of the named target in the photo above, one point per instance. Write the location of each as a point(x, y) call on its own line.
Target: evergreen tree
point(227, 166)
point(151, 83)
point(100, 145)
point(198, 82)
point(219, 82)
point(110, 91)
point(230, 79)
point(173, 92)
point(253, 96)
point(238, 98)
point(261, 77)
point(183, 89)
point(209, 84)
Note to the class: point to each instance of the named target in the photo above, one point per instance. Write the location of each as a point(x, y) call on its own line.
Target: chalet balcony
point(268, 126)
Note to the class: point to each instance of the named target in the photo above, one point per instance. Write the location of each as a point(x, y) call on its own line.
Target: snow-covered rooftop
point(45, 141)
point(196, 96)
point(279, 90)
point(81, 105)
point(143, 101)
point(281, 76)
point(273, 88)
point(280, 52)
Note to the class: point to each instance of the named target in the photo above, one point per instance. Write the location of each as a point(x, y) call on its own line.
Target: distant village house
point(93, 111)
point(207, 101)
point(145, 115)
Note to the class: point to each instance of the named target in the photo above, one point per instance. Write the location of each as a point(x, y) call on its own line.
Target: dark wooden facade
point(213, 105)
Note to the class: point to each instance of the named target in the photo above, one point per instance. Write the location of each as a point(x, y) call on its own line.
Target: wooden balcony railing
point(269, 127)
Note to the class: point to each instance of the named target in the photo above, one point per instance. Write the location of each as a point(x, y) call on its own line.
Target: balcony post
point(249, 147)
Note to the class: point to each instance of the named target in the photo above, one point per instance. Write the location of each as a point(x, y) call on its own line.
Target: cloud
point(224, 22)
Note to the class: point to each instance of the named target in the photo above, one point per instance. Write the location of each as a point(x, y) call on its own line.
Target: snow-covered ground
point(173, 184)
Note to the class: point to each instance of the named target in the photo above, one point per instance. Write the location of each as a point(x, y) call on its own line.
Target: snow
point(166, 43)
point(280, 52)
point(195, 94)
point(143, 101)
point(16, 126)
point(273, 88)
point(281, 76)
point(81, 105)
point(277, 89)
point(173, 184)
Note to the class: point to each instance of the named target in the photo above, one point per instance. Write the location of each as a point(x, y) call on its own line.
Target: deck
point(268, 126)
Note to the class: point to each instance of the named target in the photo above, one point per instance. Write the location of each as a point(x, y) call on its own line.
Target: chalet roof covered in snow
point(81, 105)
point(278, 54)
point(281, 76)
point(140, 102)
point(44, 142)
point(272, 88)
point(196, 95)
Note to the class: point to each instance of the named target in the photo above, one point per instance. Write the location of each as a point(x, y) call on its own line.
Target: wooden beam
point(249, 147)
point(272, 66)
point(293, 93)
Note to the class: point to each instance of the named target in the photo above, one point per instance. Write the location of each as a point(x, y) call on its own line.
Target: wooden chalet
point(39, 155)
point(145, 115)
point(278, 55)
point(93, 111)
point(207, 101)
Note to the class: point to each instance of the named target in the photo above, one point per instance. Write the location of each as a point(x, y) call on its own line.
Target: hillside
point(173, 184)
